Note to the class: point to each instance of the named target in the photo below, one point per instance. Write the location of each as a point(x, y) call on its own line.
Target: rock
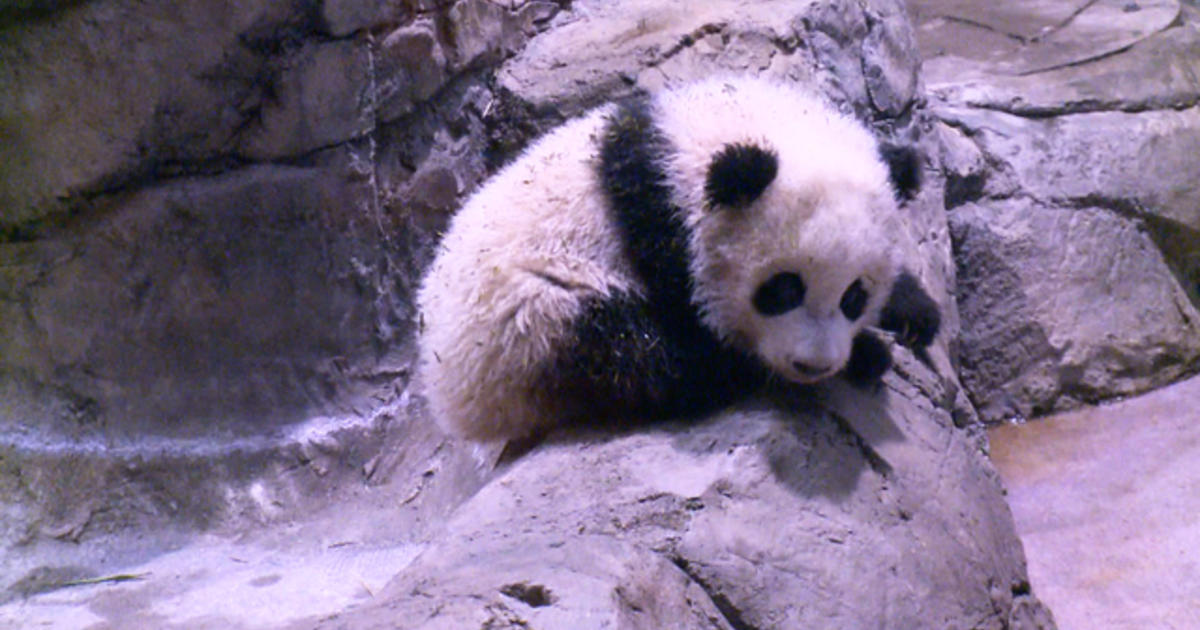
point(99, 97)
point(890, 64)
point(777, 514)
point(1064, 305)
point(323, 82)
point(343, 17)
point(483, 32)
point(1063, 174)
point(1158, 73)
point(170, 307)
point(1127, 462)
point(411, 67)
point(1144, 160)
point(962, 39)
point(600, 49)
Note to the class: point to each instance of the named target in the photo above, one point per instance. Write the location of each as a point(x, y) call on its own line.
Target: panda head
point(792, 230)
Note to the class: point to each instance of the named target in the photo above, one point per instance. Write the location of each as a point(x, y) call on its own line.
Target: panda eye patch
point(781, 293)
point(854, 301)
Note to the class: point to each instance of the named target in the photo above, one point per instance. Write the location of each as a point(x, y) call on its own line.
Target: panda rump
point(663, 256)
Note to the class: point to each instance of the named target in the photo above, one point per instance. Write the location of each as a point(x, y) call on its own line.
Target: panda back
point(514, 269)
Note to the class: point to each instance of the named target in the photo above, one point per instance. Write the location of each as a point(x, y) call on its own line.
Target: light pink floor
point(1107, 501)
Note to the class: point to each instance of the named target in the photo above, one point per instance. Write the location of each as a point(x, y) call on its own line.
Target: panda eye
point(781, 293)
point(854, 301)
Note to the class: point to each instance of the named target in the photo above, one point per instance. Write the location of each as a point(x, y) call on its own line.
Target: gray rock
point(890, 62)
point(483, 32)
point(1157, 73)
point(1112, 145)
point(169, 307)
point(774, 518)
point(962, 39)
point(320, 101)
point(343, 17)
point(599, 49)
point(1064, 305)
point(410, 68)
point(1145, 160)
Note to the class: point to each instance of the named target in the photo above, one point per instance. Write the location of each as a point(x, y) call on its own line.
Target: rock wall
point(218, 217)
point(1072, 134)
point(212, 217)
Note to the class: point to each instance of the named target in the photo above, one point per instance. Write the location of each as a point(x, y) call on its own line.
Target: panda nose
point(811, 370)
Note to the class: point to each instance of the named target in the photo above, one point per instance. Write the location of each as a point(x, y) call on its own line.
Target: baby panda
point(663, 257)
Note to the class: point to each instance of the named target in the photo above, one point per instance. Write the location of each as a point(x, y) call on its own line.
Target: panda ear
point(904, 169)
point(738, 174)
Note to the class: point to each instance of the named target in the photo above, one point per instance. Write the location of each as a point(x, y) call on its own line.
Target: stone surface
point(760, 517)
point(164, 319)
point(1064, 305)
point(1030, 36)
point(1105, 499)
point(1073, 202)
point(1157, 73)
point(206, 256)
point(295, 530)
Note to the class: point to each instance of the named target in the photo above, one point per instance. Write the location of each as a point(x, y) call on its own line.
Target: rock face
point(211, 221)
point(1072, 196)
point(756, 518)
point(219, 217)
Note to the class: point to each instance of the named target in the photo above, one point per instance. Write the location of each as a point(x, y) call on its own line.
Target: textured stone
point(1064, 305)
point(776, 518)
point(1160, 72)
point(890, 63)
point(1101, 498)
point(343, 17)
point(600, 48)
point(1112, 144)
point(411, 67)
point(114, 92)
point(484, 32)
point(1146, 160)
point(173, 305)
point(320, 101)
point(963, 39)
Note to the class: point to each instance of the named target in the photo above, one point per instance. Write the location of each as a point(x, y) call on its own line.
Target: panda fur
point(666, 255)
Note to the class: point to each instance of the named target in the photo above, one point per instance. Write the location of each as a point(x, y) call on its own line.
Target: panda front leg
point(910, 313)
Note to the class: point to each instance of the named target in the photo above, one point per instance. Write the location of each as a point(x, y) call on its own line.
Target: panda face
point(799, 336)
point(794, 270)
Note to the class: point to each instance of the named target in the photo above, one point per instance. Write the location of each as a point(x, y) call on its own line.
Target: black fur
point(632, 356)
point(622, 361)
point(738, 174)
point(628, 356)
point(869, 360)
point(639, 196)
point(781, 293)
point(854, 301)
point(911, 313)
point(904, 169)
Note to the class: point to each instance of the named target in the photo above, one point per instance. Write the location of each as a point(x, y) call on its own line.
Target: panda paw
point(869, 360)
point(910, 313)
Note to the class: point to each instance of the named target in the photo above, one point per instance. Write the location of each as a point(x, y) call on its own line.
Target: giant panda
point(665, 256)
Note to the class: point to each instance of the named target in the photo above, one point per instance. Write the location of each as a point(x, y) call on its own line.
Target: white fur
point(511, 272)
point(828, 214)
point(538, 238)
